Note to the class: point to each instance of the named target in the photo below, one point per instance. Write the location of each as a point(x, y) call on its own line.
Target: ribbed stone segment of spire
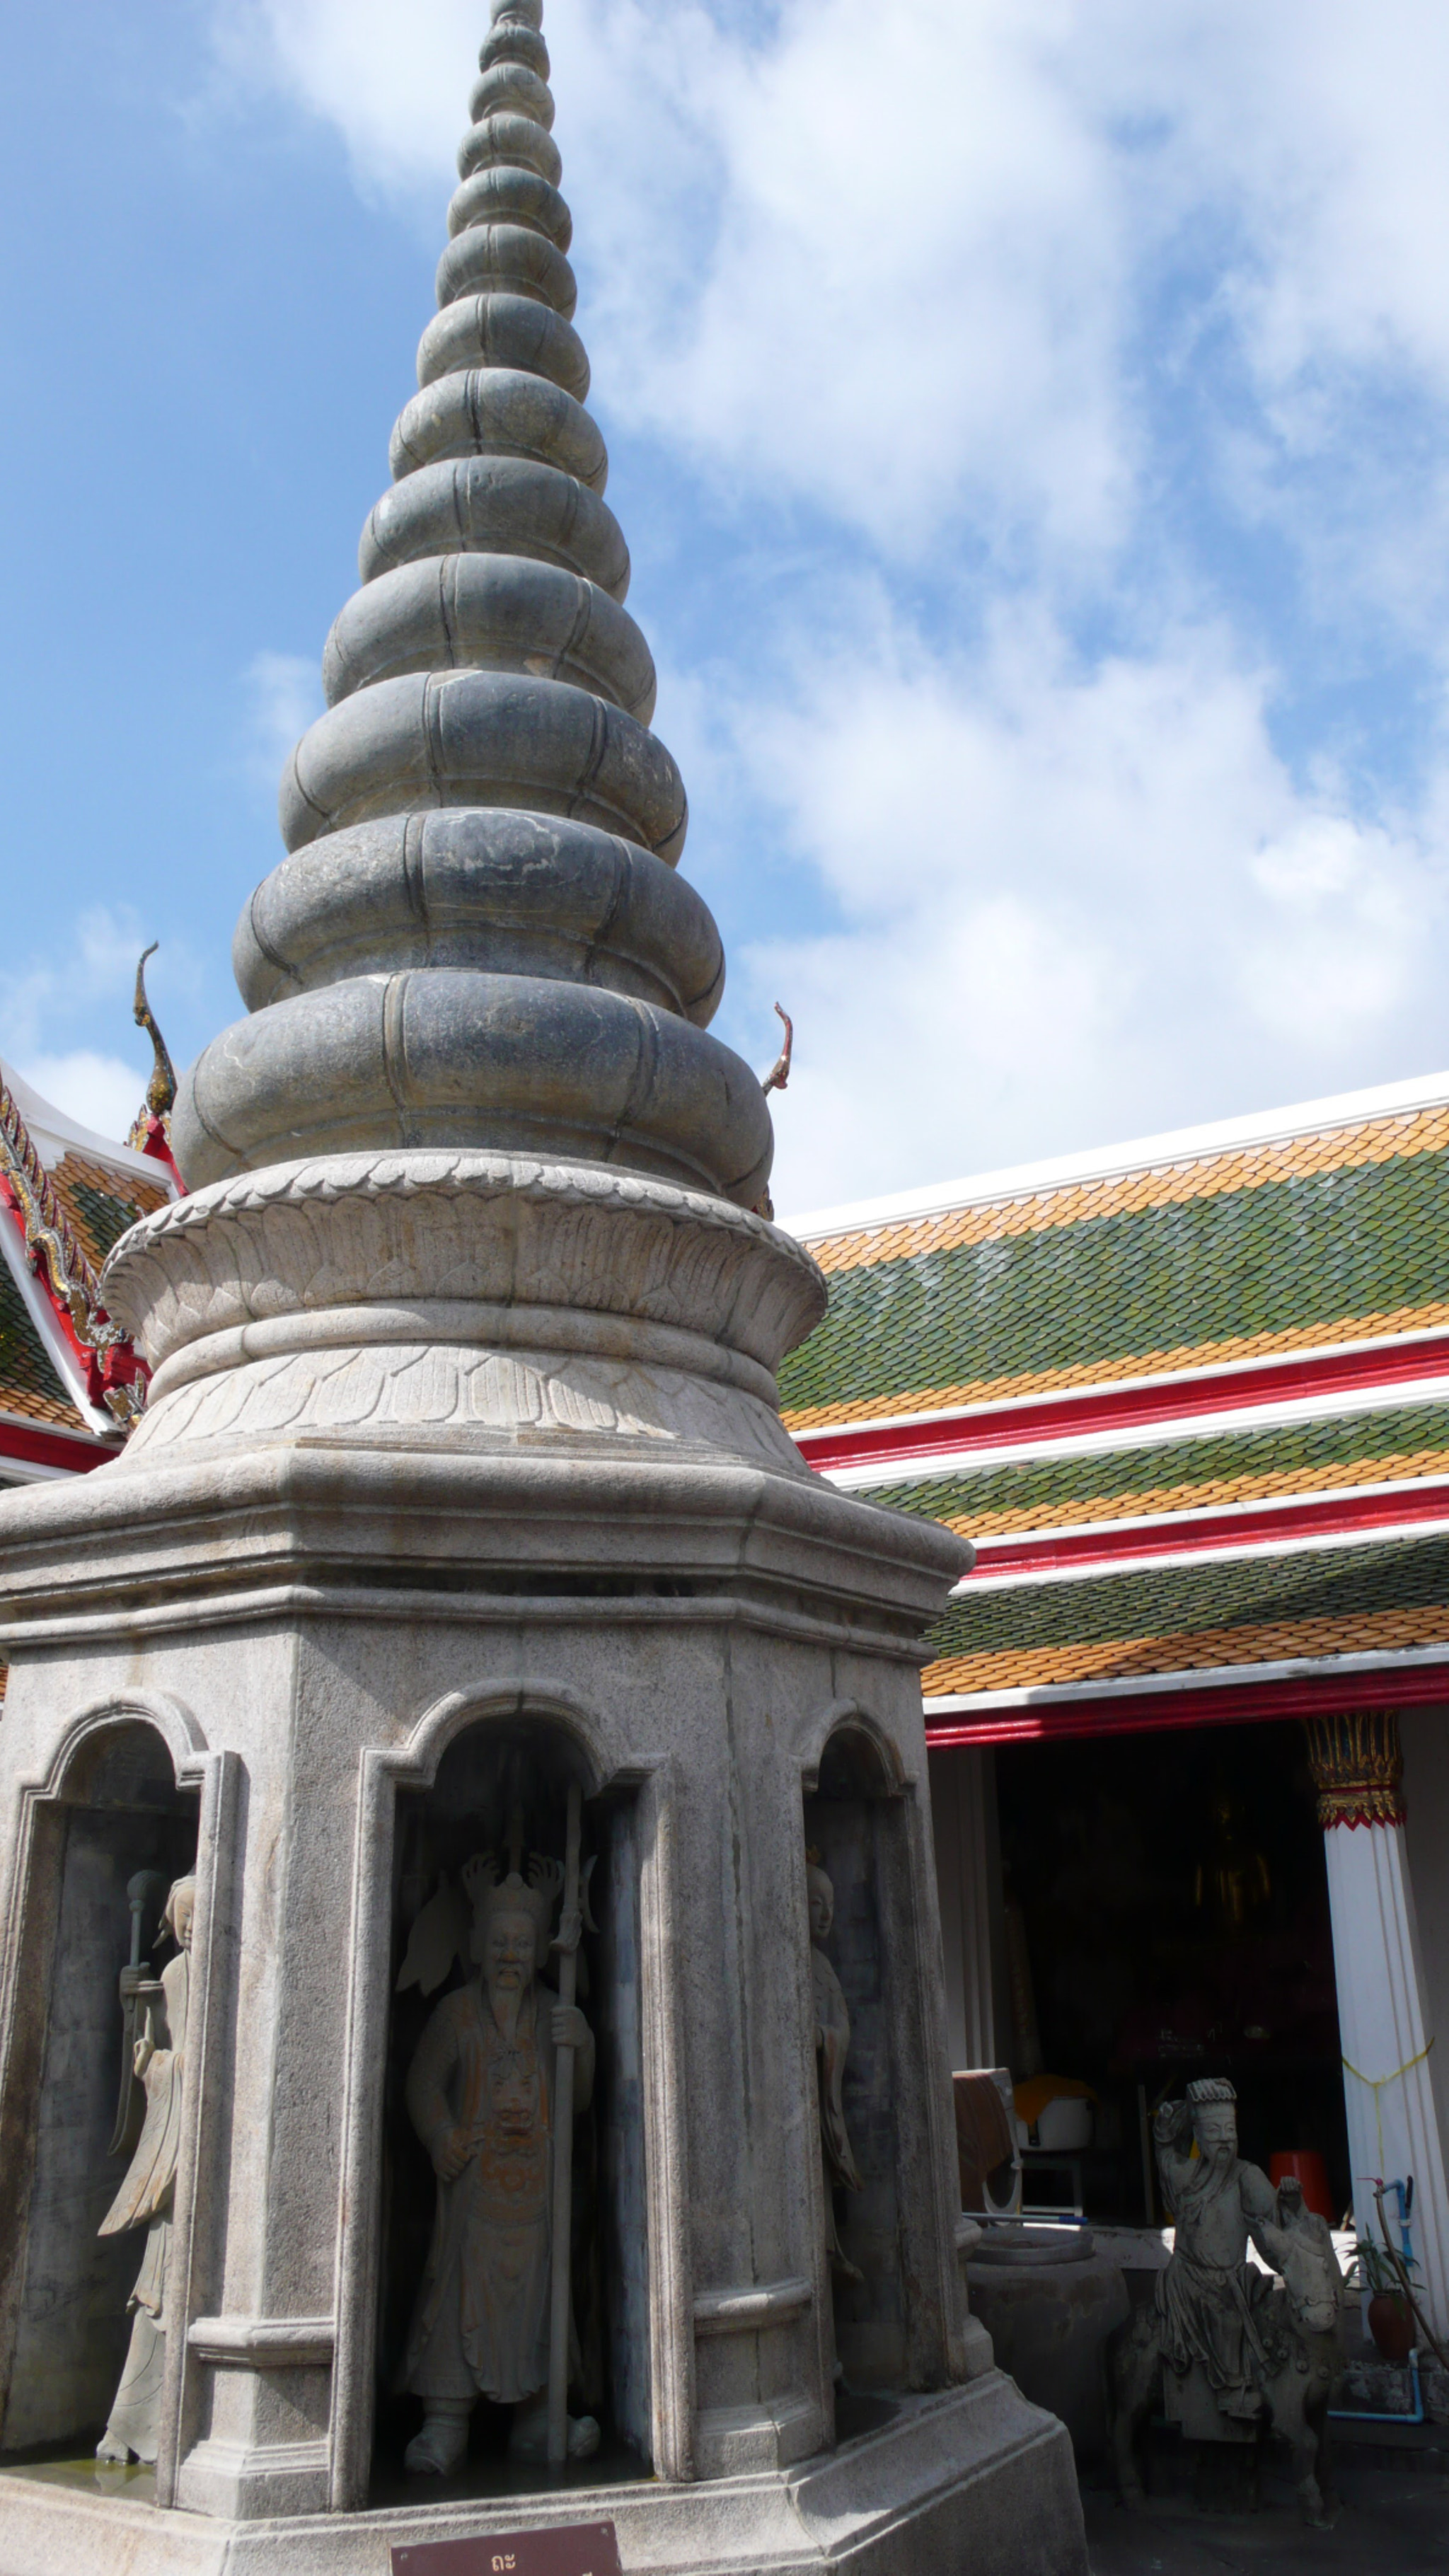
point(478, 938)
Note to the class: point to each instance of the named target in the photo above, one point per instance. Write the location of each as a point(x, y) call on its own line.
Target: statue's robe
point(481, 2325)
point(145, 2199)
point(832, 2047)
point(1209, 2292)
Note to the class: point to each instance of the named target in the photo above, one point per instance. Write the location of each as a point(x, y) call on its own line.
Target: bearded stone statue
point(1209, 2296)
point(480, 2093)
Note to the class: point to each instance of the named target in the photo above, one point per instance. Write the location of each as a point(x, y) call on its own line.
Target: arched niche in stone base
point(112, 1809)
point(860, 1820)
point(501, 1788)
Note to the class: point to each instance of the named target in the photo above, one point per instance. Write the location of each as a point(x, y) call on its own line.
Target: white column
point(1384, 2026)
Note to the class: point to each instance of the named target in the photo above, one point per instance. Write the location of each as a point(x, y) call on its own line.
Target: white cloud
point(84, 985)
point(1070, 903)
point(101, 1091)
point(1088, 363)
point(283, 694)
point(391, 74)
point(899, 262)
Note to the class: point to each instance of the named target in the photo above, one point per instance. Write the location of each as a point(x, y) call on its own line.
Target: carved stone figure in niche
point(1208, 2295)
point(155, 2011)
point(832, 2048)
point(481, 2092)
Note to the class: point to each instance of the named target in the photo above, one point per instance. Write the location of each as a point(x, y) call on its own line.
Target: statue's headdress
point(1209, 2088)
point(817, 1876)
point(179, 1887)
point(489, 1894)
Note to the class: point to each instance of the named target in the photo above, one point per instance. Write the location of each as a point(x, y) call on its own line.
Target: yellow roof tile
point(1374, 1140)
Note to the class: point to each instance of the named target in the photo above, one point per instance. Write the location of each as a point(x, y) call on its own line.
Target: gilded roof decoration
point(30, 1386)
point(62, 1217)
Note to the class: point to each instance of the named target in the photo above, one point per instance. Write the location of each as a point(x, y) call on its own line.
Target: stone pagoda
point(471, 2031)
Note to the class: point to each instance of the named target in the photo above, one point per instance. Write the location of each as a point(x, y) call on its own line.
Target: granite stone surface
point(462, 1479)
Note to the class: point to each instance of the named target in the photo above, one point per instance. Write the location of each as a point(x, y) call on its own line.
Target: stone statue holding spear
point(500, 2074)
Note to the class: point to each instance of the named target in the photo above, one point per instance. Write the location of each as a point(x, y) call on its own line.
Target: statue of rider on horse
point(1229, 2353)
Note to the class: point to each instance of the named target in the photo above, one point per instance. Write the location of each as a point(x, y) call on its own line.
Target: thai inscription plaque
point(575, 2549)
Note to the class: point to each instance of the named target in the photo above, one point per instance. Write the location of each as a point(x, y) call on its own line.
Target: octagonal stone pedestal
point(443, 1445)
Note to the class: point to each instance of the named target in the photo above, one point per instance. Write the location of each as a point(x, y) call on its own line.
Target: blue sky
point(1030, 422)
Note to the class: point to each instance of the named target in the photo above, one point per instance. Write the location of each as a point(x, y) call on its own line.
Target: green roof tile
point(1318, 1249)
point(1171, 1601)
point(1047, 1483)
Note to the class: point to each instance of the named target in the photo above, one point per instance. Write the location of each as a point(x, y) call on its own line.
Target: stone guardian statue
point(1223, 2351)
point(158, 2061)
point(480, 2093)
point(1209, 2295)
point(832, 2048)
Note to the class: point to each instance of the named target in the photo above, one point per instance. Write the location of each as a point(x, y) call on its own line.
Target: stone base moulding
point(264, 2343)
point(975, 2478)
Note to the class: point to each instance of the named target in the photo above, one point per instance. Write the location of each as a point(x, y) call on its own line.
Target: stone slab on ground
point(972, 2478)
point(1395, 2522)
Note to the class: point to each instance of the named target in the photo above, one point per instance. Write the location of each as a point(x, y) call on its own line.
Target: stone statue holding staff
point(157, 2009)
point(485, 2095)
point(1209, 2297)
point(832, 2048)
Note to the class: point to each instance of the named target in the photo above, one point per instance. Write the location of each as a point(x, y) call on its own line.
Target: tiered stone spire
point(478, 938)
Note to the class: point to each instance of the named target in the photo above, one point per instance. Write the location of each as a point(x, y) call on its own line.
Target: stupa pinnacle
point(478, 938)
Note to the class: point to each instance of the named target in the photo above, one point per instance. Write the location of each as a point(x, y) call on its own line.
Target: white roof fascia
point(29, 1471)
point(1177, 1145)
point(54, 1134)
point(1333, 1405)
point(1099, 1390)
point(1172, 1560)
point(47, 1324)
point(1050, 1695)
point(1222, 1516)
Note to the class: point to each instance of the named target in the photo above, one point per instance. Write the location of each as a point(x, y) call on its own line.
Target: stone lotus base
point(976, 2479)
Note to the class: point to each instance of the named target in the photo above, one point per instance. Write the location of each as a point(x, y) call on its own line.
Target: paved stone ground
point(1394, 2522)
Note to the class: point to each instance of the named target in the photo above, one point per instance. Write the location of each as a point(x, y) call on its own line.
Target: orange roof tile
point(1376, 1140)
point(1104, 1372)
point(1120, 1659)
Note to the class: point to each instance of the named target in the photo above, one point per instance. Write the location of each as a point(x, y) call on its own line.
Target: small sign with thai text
point(572, 2549)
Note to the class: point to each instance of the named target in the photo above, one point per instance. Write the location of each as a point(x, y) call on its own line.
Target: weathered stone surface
point(486, 668)
point(509, 505)
point(463, 1449)
point(1049, 2325)
point(506, 893)
point(432, 1057)
point(488, 612)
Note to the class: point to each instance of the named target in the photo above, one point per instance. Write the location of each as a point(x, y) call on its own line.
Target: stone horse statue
point(1297, 2333)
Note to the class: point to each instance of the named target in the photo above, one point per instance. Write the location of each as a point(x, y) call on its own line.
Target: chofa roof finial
point(161, 1089)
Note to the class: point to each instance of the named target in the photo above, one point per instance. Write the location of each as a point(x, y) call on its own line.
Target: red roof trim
point(75, 1451)
point(1214, 1703)
point(1105, 1408)
point(1223, 1530)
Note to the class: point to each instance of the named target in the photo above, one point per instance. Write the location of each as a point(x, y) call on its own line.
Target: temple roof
point(69, 1380)
point(1189, 1398)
